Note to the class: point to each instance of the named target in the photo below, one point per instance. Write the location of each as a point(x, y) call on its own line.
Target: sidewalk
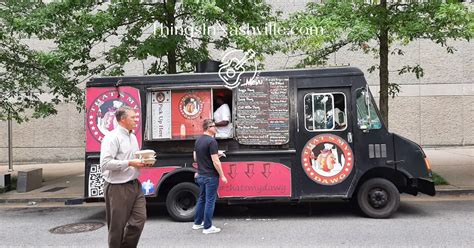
point(65, 180)
point(455, 164)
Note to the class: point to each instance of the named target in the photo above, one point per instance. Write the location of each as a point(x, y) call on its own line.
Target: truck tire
point(378, 198)
point(181, 201)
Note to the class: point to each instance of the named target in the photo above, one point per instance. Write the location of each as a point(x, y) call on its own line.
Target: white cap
point(328, 146)
point(117, 104)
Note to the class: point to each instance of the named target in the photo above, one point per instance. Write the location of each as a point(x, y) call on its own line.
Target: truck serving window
point(325, 111)
point(367, 117)
point(177, 114)
point(222, 113)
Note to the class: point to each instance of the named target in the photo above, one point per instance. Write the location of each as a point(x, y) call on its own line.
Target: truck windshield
point(367, 117)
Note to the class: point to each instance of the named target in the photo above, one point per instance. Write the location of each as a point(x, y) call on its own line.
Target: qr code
point(96, 181)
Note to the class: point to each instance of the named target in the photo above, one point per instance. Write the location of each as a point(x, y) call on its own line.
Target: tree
point(358, 23)
point(30, 79)
point(172, 35)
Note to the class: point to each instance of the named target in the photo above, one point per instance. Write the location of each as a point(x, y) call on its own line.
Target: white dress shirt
point(116, 149)
point(223, 114)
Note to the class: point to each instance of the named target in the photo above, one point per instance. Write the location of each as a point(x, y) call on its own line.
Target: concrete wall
point(57, 138)
point(435, 110)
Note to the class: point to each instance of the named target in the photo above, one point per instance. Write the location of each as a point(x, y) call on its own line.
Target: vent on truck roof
point(208, 66)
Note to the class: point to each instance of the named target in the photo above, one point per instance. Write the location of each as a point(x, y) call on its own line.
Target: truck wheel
point(181, 201)
point(378, 198)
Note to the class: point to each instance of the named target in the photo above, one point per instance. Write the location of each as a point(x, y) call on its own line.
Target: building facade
point(435, 110)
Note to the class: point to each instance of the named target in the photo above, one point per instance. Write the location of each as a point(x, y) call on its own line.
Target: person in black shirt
point(209, 171)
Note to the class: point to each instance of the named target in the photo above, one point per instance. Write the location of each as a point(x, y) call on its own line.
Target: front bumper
point(423, 185)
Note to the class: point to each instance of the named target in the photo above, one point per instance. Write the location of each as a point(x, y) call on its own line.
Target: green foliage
point(358, 24)
point(362, 25)
point(439, 180)
point(172, 34)
point(30, 79)
point(94, 38)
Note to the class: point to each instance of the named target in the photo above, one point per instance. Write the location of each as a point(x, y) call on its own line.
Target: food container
point(147, 156)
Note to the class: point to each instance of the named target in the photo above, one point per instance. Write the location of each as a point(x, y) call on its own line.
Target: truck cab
point(297, 135)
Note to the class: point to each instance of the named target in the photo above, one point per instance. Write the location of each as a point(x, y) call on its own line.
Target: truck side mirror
point(365, 127)
point(367, 102)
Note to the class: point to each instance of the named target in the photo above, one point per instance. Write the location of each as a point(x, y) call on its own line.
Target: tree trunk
point(171, 23)
point(383, 70)
point(171, 62)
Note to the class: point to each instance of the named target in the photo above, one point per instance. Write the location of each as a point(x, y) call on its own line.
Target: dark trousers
point(125, 212)
point(207, 200)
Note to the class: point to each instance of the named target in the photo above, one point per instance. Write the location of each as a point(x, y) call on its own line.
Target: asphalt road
point(420, 222)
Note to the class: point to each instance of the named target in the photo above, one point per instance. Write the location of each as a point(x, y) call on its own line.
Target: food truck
point(297, 135)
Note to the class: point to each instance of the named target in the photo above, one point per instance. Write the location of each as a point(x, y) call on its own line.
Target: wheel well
point(171, 180)
point(392, 175)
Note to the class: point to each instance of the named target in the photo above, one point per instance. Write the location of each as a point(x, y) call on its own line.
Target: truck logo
point(190, 106)
point(101, 115)
point(160, 97)
point(327, 159)
point(232, 67)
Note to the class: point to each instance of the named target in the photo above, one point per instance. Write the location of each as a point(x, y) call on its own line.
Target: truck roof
point(214, 76)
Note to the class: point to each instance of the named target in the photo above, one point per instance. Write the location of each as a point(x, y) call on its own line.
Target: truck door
point(325, 159)
point(374, 143)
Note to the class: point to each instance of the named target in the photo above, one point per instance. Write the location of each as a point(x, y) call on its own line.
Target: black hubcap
point(378, 198)
point(185, 202)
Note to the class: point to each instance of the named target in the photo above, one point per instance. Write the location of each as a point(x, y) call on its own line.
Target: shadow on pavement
point(322, 209)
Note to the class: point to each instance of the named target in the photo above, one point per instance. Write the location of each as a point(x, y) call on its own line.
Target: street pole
point(10, 143)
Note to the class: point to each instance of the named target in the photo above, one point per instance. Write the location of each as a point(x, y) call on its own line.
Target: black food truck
point(296, 135)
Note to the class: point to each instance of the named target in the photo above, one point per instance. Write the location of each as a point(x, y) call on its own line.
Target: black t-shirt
point(204, 147)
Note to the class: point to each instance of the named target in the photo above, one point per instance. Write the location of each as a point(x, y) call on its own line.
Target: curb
point(441, 192)
point(34, 201)
point(79, 200)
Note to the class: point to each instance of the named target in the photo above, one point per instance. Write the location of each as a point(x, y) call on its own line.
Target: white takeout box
point(149, 161)
point(144, 154)
point(221, 153)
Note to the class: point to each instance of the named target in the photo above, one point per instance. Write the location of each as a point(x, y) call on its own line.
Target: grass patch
point(439, 180)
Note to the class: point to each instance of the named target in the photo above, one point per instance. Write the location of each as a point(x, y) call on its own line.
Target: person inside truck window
point(222, 117)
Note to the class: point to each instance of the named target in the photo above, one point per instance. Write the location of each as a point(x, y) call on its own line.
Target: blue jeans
point(207, 200)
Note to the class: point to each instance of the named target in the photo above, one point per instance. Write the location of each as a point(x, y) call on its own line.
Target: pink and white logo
point(190, 106)
point(100, 115)
point(327, 159)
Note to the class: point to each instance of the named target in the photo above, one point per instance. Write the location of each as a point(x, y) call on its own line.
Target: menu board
point(178, 114)
point(262, 111)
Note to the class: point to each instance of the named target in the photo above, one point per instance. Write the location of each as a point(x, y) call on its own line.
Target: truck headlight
point(428, 165)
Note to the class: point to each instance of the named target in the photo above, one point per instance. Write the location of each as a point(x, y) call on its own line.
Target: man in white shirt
point(124, 201)
point(222, 119)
